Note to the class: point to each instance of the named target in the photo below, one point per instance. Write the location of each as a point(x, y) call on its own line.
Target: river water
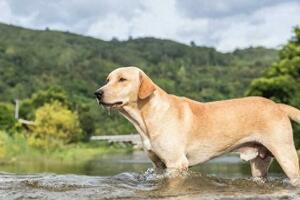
point(127, 176)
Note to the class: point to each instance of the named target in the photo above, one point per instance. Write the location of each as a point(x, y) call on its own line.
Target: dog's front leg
point(159, 165)
point(171, 153)
point(177, 166)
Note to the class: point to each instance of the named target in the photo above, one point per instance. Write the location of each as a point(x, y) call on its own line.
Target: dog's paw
point(295, 182)
point(259, 180)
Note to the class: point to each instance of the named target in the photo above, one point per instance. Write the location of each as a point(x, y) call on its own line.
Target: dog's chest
point(145, 140)
point(146, 144)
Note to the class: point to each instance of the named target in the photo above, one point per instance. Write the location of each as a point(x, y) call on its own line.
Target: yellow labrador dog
point(178, 132)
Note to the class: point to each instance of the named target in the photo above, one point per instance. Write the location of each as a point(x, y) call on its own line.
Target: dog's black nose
point(99, 94)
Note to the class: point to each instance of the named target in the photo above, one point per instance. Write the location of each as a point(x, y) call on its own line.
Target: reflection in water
point(225, 177)
point(229, 166)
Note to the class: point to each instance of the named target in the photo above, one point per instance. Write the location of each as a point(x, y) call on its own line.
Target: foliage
point(7, 119)
point(31, 61)
point(3, 139)
point(281, 81)
point(12, 145)
point(38, 99)
point(279, 88)
point(55, 125)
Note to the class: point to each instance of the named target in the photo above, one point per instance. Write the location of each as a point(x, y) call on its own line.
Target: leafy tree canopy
point(281, 80)
point(41, 97)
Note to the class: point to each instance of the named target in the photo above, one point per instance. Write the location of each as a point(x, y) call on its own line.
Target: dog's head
point(123, 86)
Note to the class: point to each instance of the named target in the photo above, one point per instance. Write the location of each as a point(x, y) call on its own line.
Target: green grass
point(16, 149)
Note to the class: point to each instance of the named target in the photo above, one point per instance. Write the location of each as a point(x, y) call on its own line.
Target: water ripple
point(148, 185)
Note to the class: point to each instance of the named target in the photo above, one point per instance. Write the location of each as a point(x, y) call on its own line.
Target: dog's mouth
point(112, 105)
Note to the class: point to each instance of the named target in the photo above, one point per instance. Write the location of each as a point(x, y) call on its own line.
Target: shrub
point(55, 125)
point(38, 99)
point(7, 119)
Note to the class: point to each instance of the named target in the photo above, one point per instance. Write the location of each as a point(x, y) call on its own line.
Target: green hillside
point(32, 60)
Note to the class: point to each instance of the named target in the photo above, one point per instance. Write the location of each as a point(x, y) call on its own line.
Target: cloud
point(73, 15)
point(268, 26)
point(5, 11)
point(158, 19)
point(221, 8)
point(225, 25)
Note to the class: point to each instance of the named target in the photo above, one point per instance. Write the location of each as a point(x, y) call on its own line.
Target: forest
point(47, 70)
point(54, 74)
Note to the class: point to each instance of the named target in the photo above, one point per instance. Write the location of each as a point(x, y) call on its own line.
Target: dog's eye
point(122, 79)
point(107, 80)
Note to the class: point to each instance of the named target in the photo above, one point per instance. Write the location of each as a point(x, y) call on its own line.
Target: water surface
point(125, 176)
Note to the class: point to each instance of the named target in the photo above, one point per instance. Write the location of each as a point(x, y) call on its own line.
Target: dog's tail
point(291, 111)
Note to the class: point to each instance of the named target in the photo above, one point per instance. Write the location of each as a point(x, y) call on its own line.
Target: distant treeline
point(70, 67)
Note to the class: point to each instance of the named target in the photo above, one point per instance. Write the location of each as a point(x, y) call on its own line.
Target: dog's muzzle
point(99, 94)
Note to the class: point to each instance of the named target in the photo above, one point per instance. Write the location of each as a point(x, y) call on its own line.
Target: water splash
point(147, 185)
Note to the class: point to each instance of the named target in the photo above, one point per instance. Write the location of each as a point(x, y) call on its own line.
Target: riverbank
point(15, 149)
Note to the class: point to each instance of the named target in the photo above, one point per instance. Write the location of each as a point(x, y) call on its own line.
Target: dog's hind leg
point(282, 147)
point(260, 166)
point(287, 158)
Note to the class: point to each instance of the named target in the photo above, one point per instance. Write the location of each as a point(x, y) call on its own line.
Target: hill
point(32, 60)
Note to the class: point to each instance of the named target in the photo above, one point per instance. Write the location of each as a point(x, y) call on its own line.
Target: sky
point(223, 24)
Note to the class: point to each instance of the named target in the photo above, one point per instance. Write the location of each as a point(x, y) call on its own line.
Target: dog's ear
point(146, 86)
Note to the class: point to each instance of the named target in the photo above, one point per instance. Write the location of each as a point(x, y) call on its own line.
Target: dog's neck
point(141, 112)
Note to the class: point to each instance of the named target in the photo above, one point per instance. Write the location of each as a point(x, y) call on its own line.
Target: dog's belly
point(198, 157)
point(246, 150)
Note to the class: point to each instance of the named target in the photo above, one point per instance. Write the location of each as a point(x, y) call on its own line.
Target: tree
point(193, 44)
point(38, 99)
point(7, 119)
point(55, 125)
point(281, 82)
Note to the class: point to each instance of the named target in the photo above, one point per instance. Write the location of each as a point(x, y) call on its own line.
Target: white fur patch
point(146, 144)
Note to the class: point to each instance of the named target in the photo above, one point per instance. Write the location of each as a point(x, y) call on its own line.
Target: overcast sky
point(224, 24)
